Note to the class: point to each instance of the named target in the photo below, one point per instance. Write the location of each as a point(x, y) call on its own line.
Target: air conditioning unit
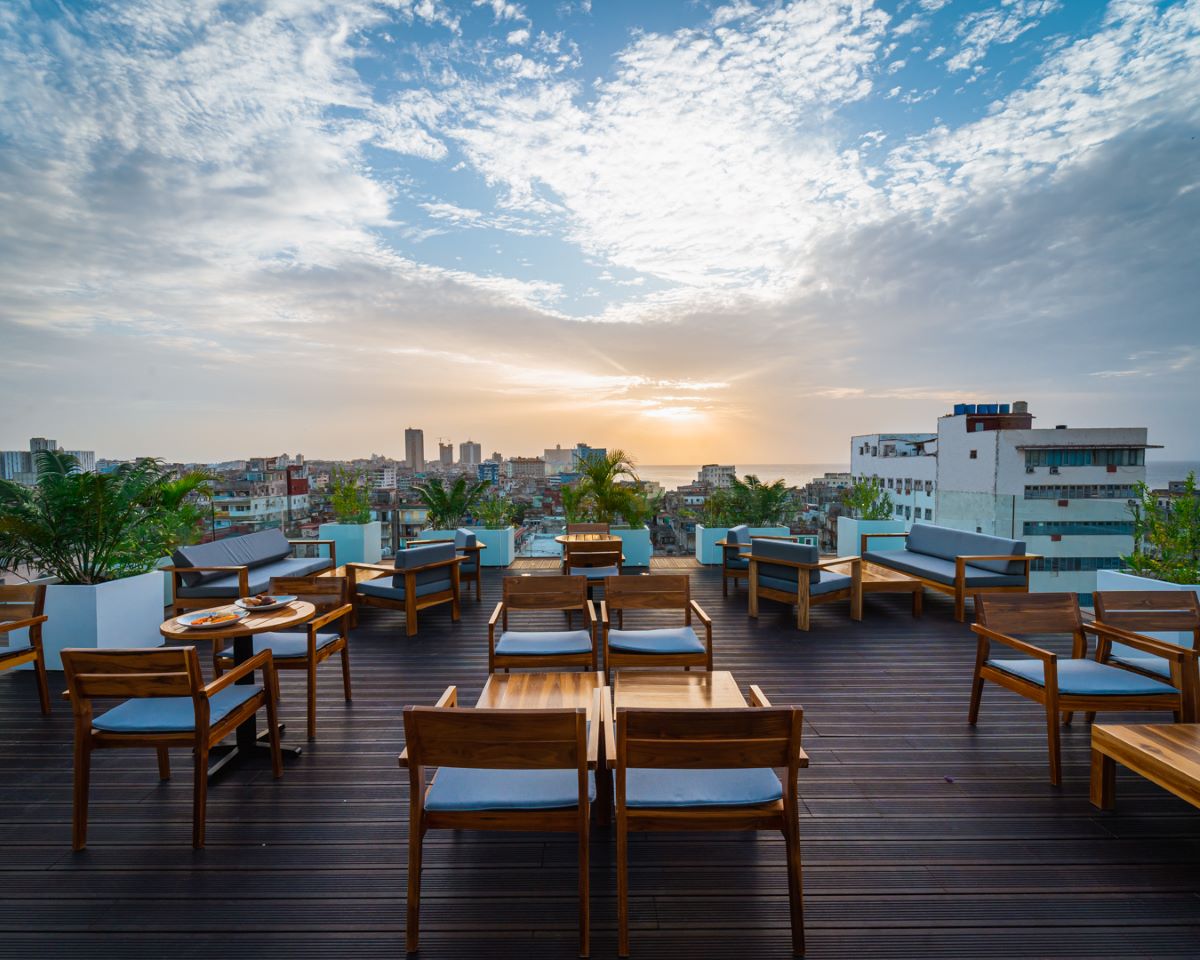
point(1054, 469)
point(1030, 470)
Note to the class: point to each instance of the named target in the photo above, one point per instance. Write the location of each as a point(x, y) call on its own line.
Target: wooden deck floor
point(922, 837)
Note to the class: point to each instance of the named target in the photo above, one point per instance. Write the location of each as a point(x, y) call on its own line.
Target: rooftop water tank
point(968, 408)
point(1004, 408)
point(1020, 406)
point(960, 409)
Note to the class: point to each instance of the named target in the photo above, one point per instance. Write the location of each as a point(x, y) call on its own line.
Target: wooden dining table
point(242, 633)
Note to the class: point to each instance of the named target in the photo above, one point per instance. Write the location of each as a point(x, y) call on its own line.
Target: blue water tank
point(993, 408)
point(1005, 408)
point(960, 409)
point(968, 408)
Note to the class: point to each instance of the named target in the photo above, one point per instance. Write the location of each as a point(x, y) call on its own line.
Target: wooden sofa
point(956, 562)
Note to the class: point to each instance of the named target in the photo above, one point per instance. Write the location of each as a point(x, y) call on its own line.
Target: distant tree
point(867, 500)
point(348, 496)
point(1166, 537)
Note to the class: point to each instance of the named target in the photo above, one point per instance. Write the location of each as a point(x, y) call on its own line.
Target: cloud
point(1003, 24)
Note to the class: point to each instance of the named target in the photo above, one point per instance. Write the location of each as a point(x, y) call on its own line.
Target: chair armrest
point(1159, 648)
point(449, 697)
point(604, 614)
point(985, 634)
point(757, 697)
point(589, 611)
point(610, 728)
point(495, 617)
point(593, 737)
point(722, 543)
point(258, 661)
point(327, 618)
point(403, 758)
point(8, 625)
point(774, 536)
point(803, 760)
point(381, 567)
point(699, 611)
point(835, 561)
point(300, 540)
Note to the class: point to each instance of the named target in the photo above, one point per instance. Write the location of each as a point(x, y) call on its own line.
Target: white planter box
point(850, 531)
point(500, 544)
point(708, 552)
point(354, 542)
point(636, 546)
point(1116, 580)
point(107, 616)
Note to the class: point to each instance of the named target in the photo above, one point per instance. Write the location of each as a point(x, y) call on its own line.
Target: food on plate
point(258, 600)
point(213, 618)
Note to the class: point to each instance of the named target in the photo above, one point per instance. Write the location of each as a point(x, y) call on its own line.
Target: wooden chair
point(661, 646)
point(593, 559)
point(524, 770)
point(734, 566)
point(1065, 685)
point(709, 770)
point(21, 607)
point(314, 643)
point(1148, 611)
point(587, 528)
point(795, 574)
point(169, 705)
point(543, 649)
point(422, 577)
point(470, 549)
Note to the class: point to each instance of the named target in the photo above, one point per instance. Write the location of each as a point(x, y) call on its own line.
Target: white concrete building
point(470, 454)
point(905, 464)
point(717, 476)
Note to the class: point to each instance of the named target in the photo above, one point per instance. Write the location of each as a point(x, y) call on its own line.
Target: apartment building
point(414, 448)
point(906, 466)
point(716, 476)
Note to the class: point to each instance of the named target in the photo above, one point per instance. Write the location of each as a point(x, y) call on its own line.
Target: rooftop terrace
point(922, 837)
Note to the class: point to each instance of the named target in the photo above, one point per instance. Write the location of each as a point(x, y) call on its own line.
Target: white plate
point(188, 620)
point(280, 601)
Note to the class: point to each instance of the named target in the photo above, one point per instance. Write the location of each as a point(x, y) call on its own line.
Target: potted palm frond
point(764, 507)
point(609, 491)
point(96, 539)
point(1166, 543)
point(357, 538)
point(453, 506)
point(871, 511)
point(493, 528)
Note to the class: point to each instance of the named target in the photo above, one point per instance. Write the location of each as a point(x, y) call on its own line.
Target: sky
point(698, 230)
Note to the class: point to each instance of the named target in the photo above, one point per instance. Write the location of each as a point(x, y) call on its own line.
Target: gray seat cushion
point(465, 538)
point(1086, 678)
point(663, 640)
point(387, 589)
point(948, 543)
point(829, 582)
point(595, 573)
point(226, 584)
point(252, 550)
point(789, 550)
point(940, 570)
point(543, 643)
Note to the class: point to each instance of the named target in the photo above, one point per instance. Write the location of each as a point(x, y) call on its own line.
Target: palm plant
point(1166, 538)
point(495, 512)
point(600, 484)
point(449, 507)
point(574, 500)
point(86, 528)
point(760, 504)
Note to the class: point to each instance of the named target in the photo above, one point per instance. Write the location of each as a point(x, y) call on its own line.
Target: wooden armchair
point(169, 705)
point(794, 573)
point(711, 769)
point(593, 559)
point(543, 649)
point(21, 607)
point(1149, 611)
point(658, 647)
point(313, 643)
point(734, 565)
point(422, 577)
point(1065, 685)
point(471, 550)
point(524, 770)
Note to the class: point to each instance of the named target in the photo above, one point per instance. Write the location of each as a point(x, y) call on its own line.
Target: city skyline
point(699, 231)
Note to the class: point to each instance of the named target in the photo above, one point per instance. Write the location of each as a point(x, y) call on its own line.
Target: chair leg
point(412, 925)
point(960, 603)
point(724, 586)
point(346, 671)
point(1053, 743)
point(410, 617)
point(273, 732)
point(83, 769)
point(164, 764)
point(312, 700)
point(791, 838)
point(199, 796)
point(584, 903)
point(39, 667)
point(976, 698)
point(622, 885)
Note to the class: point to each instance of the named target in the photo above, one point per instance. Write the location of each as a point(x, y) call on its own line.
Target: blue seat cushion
point(1132, 657)
point(734, 562)
point(946, 543)
point(15, 642)
point(652, 787)
point(663, 640)
point(595, 573)
point(939, 569)
point(384, 587)
point(172, 714)
point(287, 646)
point(467, 788)
point(830, 582)
point(224, 585)
point(1086, 678)
point(536, 643)
point(468, 566)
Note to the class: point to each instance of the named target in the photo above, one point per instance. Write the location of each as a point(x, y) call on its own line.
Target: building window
point(1078, 528)
point(928, 514)
point(974, 454)
point(1081, 491)
point(1086, 457)
point(1075, 564)
point(908, 513)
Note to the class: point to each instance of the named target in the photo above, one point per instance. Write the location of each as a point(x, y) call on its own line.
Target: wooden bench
point(1166, 753)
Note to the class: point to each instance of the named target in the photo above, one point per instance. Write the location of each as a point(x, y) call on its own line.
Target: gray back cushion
point(785, 550)
point(464, 537)
point(252, 550)
point(948, 543)
point(419, 557)
point(738, 534)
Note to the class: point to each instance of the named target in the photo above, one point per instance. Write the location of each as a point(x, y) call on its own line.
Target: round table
point(242, 634)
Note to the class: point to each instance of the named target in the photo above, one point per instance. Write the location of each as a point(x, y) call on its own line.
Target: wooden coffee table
point(876, 579)
point(1165, 753)
point(676, 691)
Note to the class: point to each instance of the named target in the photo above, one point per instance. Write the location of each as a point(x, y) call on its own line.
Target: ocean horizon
point(672, 475)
